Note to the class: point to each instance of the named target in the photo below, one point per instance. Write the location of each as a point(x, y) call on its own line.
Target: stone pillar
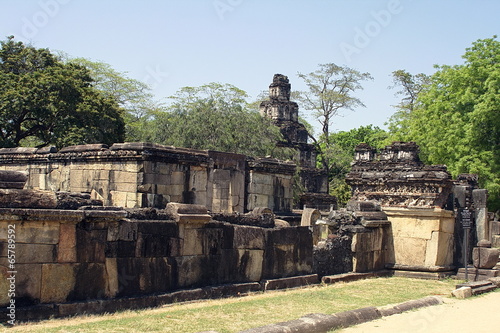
point(479, 199)
point(191, 219)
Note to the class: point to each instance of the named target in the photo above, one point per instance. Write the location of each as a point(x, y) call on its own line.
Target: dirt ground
point(477, 314)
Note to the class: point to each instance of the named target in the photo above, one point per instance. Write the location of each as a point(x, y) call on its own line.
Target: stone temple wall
point(422, 203)
point(105, 253)
point(150, 175)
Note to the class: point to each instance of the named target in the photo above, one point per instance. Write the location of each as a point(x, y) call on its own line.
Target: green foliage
point(457, 121)
point(330, 91)
point(216, 117)
point(410, 88)
point(133, 96)
point(340, 154)
point(44, 101)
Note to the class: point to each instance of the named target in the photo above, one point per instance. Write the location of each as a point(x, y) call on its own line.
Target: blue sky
point(170, 44)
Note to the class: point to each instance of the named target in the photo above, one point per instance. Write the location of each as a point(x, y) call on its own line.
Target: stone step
point(474, 284)
point(477, 273)
point(478, 287)
point(482, 290)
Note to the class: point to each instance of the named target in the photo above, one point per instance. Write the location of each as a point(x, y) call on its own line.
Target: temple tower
point(285, 114)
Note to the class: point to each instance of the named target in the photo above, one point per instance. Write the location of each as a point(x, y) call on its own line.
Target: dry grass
point(236, 314)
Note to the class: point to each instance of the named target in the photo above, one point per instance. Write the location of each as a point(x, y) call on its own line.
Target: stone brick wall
point(148, 175)
point(270, 185)
point(71, 255)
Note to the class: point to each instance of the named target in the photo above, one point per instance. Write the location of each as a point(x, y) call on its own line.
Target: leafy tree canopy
point(133, 96)
point(331, 89)
point(457, 120)
point(410, 87)
point(46, 102)
point(217, 117)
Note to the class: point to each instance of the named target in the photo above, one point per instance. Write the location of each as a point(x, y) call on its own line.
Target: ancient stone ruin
point(71, 249)
point(285, 114)
point(98, 228)
point(403, 216)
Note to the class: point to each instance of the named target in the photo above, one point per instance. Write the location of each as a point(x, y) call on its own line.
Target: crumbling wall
point(150, 175)
point(417, 200)
point(97, 252)
point(270, 184)
point(359, 240)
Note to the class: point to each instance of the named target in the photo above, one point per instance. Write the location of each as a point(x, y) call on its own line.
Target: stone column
point(479, 198)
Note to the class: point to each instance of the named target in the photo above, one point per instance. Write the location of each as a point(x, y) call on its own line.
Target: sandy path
point(477, 314)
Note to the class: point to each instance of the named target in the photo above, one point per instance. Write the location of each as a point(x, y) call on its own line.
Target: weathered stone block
point(13, 176)
point(410, 251)
point(480, 198)
point(221, 193)
point(58, 281)
point(261, 178)
point(177, 178)
point(288, 252)
point(190, 270)
point(246, 237)
point(118, 198)
point(461, 293)
point(495, 241)
point(124, 177)
point(37, 232)
point(482, 223)
point(16, 198)
point(198, 180)
point(154, 178)
point(123, 231)
point(221, 176)
point(112, 277)
point(90, 244)
point(125, 187)
point(191, 242)
point(123, 249)
point(90, 283)
point(257, 200)
point(188, 214)
point(4, 286)
point(439, 250)
point(250, 264)
point(66, 250)
point(415, 227)
point(33, 253)
point(368, 241)
point(485, 258)
point(212, 240)
point(258, 188)
point(143, 275)
point(362, 262)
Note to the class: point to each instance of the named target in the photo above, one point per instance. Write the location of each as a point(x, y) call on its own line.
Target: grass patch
point(236, 314)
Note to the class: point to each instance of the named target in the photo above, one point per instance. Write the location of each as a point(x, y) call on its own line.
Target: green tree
point(217, 117)
point(457, 121)
point(410, 86)
point(44, 101)
point(330, 90)
point(133, 96)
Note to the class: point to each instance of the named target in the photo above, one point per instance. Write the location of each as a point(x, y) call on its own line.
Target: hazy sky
point(170, 44)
